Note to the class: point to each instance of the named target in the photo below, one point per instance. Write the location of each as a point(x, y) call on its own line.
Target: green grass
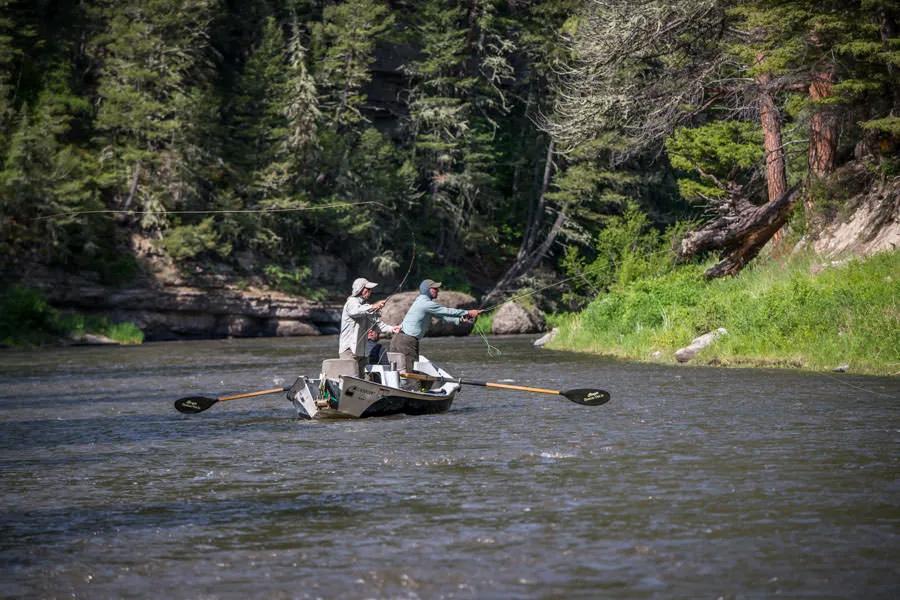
point(776, 314)
point(483, 324)
point(26, 319)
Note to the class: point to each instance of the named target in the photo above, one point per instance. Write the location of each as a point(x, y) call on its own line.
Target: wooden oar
point(585, 396)
point(195, 404)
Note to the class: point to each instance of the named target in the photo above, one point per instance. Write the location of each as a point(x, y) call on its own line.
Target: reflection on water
point(690, 482)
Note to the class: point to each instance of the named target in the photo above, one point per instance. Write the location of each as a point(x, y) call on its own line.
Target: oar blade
point(194, 404)
point(587, 396)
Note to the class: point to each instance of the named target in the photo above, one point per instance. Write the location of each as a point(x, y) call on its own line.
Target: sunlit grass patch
point(776, 313)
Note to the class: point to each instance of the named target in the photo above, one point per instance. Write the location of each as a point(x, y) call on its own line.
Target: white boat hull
point(382, 393)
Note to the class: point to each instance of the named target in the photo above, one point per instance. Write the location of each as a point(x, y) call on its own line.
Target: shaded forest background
point(493, 144)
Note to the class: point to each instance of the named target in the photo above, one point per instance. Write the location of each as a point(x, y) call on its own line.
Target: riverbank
point(796, 313)
point(27, 319)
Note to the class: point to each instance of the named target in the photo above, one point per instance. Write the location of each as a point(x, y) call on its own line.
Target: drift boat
point(339, 393)
point(383, 390)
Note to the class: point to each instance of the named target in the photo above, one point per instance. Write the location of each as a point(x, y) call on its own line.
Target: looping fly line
point(79, 213)
point(493, 351)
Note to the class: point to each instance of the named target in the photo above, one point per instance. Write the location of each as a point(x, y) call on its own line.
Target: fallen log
point(740, 233)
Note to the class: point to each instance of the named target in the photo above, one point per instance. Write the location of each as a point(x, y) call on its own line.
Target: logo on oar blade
point(587, 396)
point(194, 404)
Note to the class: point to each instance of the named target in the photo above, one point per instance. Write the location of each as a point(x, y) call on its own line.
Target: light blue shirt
point(418, 317)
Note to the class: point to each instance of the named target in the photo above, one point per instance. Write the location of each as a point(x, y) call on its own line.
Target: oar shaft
point(251, 394)
point(491, 384)
point(520, 388)
point(583, 396)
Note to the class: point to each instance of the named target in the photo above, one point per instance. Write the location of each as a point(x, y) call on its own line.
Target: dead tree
point(740, 232)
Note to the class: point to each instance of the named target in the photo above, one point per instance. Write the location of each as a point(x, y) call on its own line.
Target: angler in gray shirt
point(357, 319)
point(418, 319)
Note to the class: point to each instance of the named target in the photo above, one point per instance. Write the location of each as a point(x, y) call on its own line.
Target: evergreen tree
point(45, 178)
point(293, 119)
point(153, 66)
point(7, 57)
point(832, 63)
point(259, 122)
point(458, 97)
point(346, 41)
point(293, 139)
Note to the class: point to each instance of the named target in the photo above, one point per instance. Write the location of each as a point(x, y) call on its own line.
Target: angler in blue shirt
point(418, 319)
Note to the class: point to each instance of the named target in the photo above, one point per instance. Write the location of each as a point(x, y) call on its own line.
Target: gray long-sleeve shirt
point(356, 319)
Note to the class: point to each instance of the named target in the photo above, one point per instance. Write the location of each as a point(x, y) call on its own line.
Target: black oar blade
point(587, 396)
point(194, 404)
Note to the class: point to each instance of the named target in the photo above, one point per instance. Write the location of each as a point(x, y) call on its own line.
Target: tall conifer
point(153, 58)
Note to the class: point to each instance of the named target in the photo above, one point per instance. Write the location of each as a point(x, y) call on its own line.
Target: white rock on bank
point(547, 337)
point(688, 352)
point(93, 339)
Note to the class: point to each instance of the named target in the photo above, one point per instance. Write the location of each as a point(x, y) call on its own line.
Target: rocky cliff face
point(168, 306)
point(868, 221)
point(168, 312)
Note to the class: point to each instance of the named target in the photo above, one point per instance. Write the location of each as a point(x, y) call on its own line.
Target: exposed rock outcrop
point(873, 224)
point(168, 312)
point(862, 219)
point(512, 318)
point(397, 305)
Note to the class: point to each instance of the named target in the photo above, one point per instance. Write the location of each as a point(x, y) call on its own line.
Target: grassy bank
point(776, 314)
point(26, 319)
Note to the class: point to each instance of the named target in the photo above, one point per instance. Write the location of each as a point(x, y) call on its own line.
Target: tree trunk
point(740, 234)
point(822, 127)
point(770, 119)
point(822, 138)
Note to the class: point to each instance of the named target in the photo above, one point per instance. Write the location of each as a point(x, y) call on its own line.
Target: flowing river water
point(690, 482)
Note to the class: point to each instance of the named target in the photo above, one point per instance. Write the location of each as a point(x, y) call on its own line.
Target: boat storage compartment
point(384, 375)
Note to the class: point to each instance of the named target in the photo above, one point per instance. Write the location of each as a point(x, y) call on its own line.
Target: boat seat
point(332, 368)
point(397, 361)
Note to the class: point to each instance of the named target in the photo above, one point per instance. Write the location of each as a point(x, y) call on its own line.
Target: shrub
point(27, 319)
point(187, 241)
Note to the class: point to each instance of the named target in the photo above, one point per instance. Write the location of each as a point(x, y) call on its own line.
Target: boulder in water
point(512, 317)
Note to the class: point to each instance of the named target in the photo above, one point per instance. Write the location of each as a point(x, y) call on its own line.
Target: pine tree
point(458, 97)
point(153, 66)
point(294, 120)
point(7, 57)
point(346, 41)
point(259, 122)
point(833, 53)
point(47, 180)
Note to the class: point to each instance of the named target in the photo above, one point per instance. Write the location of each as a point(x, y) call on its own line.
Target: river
point(690, 482)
